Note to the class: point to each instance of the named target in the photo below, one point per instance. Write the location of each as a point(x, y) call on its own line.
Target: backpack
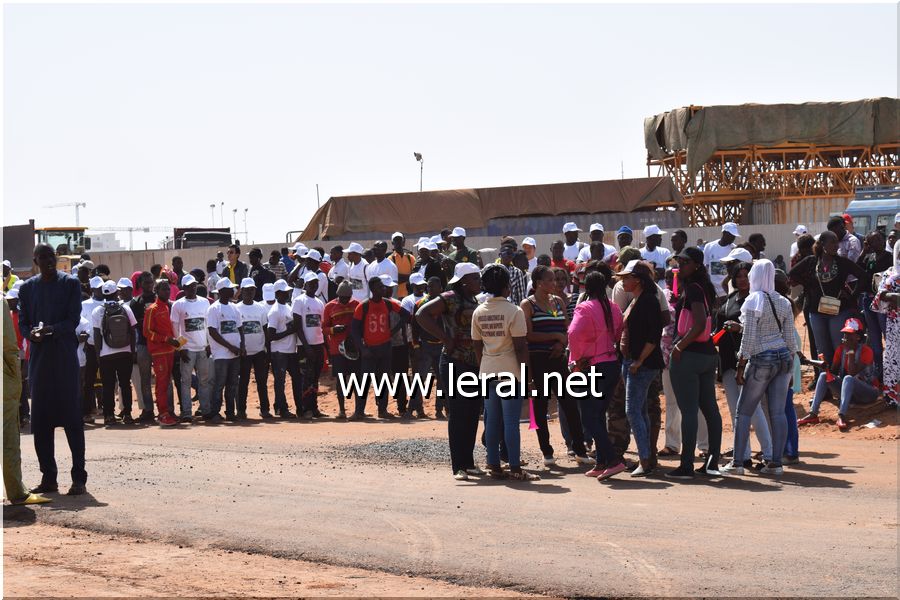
point(115, 326)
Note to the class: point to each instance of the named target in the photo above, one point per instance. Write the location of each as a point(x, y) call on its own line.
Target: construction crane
point(77, 205)
point(131, 231)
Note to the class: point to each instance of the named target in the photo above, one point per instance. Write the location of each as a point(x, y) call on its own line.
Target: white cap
point(397, 234)
point(13, 293)
point(268, 292)
point(430, 245)
point(187, 280)
point(802, 230)
point(299, 248)
point(570, 227)
point(897, 218)
point(313, 254)
point(326, 259)
point(246, 282)
point(653, 230)
point(310, 276)
point(530, 242)
point(437, 239)
point(463, 269)
point(224, 283)
point(596, 226)
point(109, 288)
point(421, 241)
point(387, 281)
point(281, 286)
point(354, 247)
point(416, 279)
point(124, 282)
point(6, 263)
point(457, 232)
point(731, 228)
point(740, 254)
point(96, 281)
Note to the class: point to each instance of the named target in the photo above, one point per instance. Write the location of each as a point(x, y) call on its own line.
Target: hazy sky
point(150, 113)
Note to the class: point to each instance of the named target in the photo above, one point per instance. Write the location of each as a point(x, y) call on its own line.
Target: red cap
point(852, 325)
point(847, 218)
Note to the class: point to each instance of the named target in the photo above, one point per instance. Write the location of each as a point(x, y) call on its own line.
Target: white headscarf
point(762, 282)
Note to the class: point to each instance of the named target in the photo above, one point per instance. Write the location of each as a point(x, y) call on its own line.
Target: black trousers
point(44, 440)
point(312, 369)
point(341, 365)
point(116, 368)
point(541, 364)
point(462, 421)
point(260, 364)
point(376, 362)
point(400, 364)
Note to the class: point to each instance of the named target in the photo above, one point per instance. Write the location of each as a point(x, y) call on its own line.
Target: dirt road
point(318, 493)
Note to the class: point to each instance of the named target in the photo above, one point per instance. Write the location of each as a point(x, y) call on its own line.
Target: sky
point(150, 113)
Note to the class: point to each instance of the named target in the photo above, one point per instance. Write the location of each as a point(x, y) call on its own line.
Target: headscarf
point(762, 283)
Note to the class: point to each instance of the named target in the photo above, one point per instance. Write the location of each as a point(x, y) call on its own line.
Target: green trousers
point(12, 457)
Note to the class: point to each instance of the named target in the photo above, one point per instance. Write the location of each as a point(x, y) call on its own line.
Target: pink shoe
point(595, 472)
point(607, 473)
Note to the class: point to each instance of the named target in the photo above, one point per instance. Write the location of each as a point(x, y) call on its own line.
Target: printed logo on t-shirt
point(717, 267)
point(313, 320)
point(356, 284)
point(195, 324)
point(228, 327)
point(492, 325)
point(252, 327)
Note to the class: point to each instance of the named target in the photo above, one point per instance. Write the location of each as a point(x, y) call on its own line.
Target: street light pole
point(234, 220)
point(421, 161)
point(212, 210)
point(222, 214)
point(246, 235)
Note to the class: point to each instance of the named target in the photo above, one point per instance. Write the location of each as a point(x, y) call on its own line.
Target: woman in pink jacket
point(593, 333)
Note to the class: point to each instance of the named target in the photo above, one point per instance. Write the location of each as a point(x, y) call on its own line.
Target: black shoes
point(127, 420)
point(45, 488)
point(77, 489)
point(266, 415)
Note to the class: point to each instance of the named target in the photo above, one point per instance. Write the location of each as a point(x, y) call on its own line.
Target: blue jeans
point(428, 359)
point(792, 445)
point(827, 331)
point(593, 412)
point(226, 371)
point(284, 363)
point(203, 364)
point(759, 422)
point(849, 389)
point(636, 387)
point(767, 376)
point(501, 422)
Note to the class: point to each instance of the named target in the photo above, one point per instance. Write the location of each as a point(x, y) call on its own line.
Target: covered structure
point(482, 210)
point(774, 163)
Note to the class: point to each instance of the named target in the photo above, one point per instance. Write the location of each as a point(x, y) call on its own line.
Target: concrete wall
point(778, 237)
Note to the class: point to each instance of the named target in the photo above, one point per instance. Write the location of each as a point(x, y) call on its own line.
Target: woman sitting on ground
point(849, 379)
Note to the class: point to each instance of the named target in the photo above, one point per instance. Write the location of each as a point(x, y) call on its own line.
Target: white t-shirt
point(321, 291)
point(279, 317)
point(84, 326)
point(310, 311)
point(571, 252)
point(585, 254)
point(623, 298)
point(227, 319)
point(339, 270)
point(795, 250)
point(87, 312)
point(713, 253)
point(97, 322)
point(356, 276)
point(189, 321)
point(658, 256)
point(385, 267)
point(254, 318)
point(532, 263)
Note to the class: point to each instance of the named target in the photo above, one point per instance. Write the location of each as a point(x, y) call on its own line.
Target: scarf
point(762, 283)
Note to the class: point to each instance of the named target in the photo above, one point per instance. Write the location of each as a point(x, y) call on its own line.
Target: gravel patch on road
point(414, 451)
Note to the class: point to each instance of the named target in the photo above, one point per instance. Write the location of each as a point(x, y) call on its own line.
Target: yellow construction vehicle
point(69, 242)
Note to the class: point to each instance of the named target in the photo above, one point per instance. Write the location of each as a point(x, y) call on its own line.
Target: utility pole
point(318, 204)
point(246, 235)
point(212, 208)
point(421, 161)
point(234, 220)
point(222, 214)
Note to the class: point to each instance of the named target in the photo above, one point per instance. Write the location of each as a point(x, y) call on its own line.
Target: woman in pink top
point(593, 333)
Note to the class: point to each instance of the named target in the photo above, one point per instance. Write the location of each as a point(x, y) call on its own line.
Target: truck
point(19, 241)
point(875, 207)
point(195, 237)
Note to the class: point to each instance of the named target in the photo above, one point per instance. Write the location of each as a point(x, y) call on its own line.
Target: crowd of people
point(651, 319)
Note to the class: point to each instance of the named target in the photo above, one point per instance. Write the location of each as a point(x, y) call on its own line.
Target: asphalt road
point(829, 527)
